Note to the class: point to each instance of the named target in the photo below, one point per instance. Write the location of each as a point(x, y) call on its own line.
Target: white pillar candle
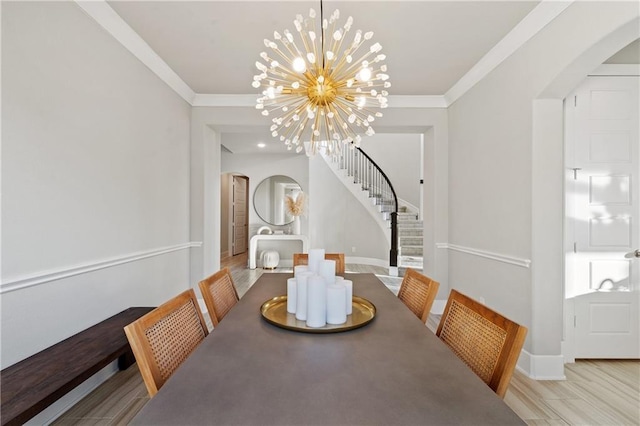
point(348, 284)
point(299, 268)
point(292, 295)
point(327, 270)
point(316, 302)
point(336, 306)
point(301, 293)
point(315, 256)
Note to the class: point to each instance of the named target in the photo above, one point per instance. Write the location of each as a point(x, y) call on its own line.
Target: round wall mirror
point(269, 196)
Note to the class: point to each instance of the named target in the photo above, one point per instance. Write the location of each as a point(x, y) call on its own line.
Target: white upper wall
point(95, 168)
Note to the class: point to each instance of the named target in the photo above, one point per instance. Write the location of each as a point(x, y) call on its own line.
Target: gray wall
point(399, 156)
point(628, 55)
point(338, 222)
point(259, 167)
point(95, 168)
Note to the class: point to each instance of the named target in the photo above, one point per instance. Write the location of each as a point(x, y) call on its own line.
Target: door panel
point(606, 325)
point(605, 199)
point(240, 215)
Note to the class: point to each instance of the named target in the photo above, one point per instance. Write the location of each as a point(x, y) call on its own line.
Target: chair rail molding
point(29, 280)
point(512, 260)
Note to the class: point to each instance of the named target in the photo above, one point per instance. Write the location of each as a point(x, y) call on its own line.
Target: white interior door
point(604, 273)
point(240, 217)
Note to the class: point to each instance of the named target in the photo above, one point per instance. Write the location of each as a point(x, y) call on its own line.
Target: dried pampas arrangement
point(295, 206)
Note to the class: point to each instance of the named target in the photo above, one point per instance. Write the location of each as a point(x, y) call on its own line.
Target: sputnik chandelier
point(321, 91)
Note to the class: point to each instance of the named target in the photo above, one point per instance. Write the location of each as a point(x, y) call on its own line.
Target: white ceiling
point(430, 45)
point(212, 46)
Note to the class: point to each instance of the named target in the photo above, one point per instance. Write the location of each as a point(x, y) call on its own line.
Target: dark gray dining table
point(392, 371)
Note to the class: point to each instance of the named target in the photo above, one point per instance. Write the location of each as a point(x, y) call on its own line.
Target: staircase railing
point(370, 176)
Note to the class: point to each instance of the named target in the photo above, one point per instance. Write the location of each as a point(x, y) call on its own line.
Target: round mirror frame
point(274, 213)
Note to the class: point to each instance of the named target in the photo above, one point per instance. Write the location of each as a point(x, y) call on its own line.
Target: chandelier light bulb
point(299, 65)
point(322, 86)
point(364, 75)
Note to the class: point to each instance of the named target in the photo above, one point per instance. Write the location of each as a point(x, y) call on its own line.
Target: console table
point(253, 244)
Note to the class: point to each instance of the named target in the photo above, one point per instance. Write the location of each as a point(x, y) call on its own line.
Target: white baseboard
point(58, 408)
point(367, 261)
point(438, 307)
point(203, 306)
point(541, 367)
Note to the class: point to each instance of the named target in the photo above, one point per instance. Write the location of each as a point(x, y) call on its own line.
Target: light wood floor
point(596, 392)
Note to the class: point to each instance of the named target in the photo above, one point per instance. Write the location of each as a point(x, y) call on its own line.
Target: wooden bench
point(31, 385)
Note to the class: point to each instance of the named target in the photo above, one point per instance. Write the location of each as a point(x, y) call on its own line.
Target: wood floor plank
point(542, 422)
point(527, 406)
point(64, 421)
point(626, 372)
point(542, 389)
point(129, 411)
point(111, 397)
point(610, 398)
point(580, 412)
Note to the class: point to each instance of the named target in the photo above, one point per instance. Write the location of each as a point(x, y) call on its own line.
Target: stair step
point(410, 240)
point(402, 270)
point(410, 260)
point(413, 262)
point(411, 250)
point(408, 217)
point(403, 221)
point(410, 232)
point(410, 225)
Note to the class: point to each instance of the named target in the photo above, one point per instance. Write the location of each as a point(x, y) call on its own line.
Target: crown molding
point(535, 21)
point(395, 101)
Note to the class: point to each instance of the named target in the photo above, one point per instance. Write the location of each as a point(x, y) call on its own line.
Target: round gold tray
point(275, 312)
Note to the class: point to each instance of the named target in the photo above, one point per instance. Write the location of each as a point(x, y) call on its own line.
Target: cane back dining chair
point(220, 294)
point(303, 259)
point(418, 292)
point(162, 339)
point(486, 341)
